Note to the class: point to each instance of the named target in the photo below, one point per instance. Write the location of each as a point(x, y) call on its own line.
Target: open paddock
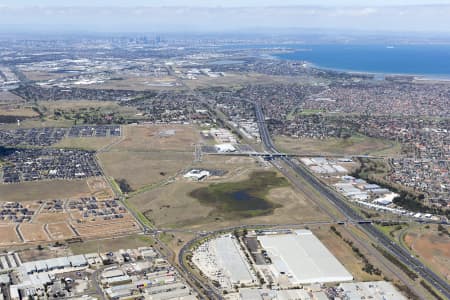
point(44, 190)
point(102, 228)
point(153, 153)
point(51, 217)
point(75, 105)
point(355, 145)
point(60, 231)
point(431, 247)
point(19, 112)
point(100, 188)
point(8, 235)
point(158, 137)
point(111, 244)
point(144, 168)
point(33, 232)
point(173, 205)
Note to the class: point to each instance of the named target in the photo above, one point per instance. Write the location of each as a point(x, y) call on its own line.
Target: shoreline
point(414, 76)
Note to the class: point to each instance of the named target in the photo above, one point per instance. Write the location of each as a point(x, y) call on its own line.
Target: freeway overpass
point(378, 237)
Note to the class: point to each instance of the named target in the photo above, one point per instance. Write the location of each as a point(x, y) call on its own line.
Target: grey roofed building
point(78, 261)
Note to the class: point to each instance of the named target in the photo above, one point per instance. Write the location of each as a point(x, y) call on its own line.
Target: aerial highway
point(378, 237)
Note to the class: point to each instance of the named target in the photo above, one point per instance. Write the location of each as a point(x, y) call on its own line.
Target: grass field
point(8, 235)
point(431, 247)
point(172, 206)
point(33, 232)
point(36, 122)
point(243, 199)
point(114, 244)
point(354, 145)
point(71, 106)
point(152, 138)
point(145, 157)
point(106, 106)
point(19, 111)
point(140, 169)
point(43, 190)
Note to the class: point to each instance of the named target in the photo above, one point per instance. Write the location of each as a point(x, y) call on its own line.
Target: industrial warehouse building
point(303, 258)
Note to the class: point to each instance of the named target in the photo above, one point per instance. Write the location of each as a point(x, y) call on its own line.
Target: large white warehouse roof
point(303, 258)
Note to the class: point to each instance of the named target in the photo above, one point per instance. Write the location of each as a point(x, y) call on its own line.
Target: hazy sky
point(225, 15)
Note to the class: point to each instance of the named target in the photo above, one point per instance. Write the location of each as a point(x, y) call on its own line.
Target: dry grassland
point(26, 112)
point(44, 190)
point(333, 146)
point(8, 235)
point(171, 206)
point(38, 123)
point(51, 217)
point(104, 228)
point(343, 252)
point(144, 156)
point(60, 231)
point(75, 105)
point(33, 232)
point(432, 248)
point(111, 244)
point(99, 188)
point(143, 168)
point(151, 138)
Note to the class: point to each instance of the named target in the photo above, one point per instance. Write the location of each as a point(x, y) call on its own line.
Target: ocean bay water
point(426, 60)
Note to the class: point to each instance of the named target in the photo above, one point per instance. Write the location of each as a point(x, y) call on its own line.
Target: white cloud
point(428, 18)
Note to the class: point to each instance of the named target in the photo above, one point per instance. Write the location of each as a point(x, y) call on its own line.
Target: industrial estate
point(143, 167)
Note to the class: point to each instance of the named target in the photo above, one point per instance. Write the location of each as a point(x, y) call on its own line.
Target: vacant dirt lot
point(102, 228)
point(44, 217)
point(111, 244)
point(44, 190)
point(431, 247)
point(60, 231)
point(100, 188)
point(8, 235)
point(33, 232)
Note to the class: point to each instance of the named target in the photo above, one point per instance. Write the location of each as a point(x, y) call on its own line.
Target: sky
point(225, 15)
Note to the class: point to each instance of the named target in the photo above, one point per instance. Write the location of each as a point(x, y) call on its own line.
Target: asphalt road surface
point(399, 252)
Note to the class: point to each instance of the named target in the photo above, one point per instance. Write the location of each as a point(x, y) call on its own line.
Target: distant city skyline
point(222, 16)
